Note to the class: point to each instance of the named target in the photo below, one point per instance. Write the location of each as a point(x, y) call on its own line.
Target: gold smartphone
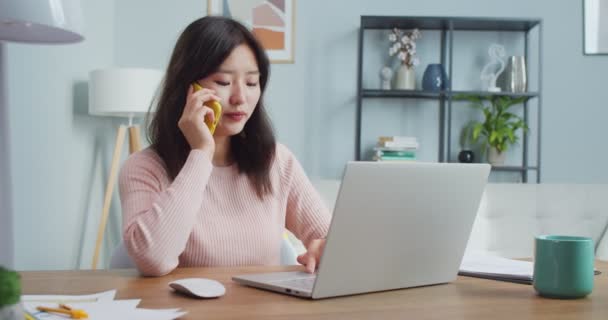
point(215, 106)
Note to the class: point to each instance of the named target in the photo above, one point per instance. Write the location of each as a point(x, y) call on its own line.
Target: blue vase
point(434, 78)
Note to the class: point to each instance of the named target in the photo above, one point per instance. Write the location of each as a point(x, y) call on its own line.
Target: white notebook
point(496, 268)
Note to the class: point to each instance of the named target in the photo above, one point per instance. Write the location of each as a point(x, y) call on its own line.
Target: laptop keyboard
point(298, 283)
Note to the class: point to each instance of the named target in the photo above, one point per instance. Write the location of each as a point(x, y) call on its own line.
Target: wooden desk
point(466, 298)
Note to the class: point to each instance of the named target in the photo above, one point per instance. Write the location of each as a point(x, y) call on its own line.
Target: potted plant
point(10, 295)
point(500, 125)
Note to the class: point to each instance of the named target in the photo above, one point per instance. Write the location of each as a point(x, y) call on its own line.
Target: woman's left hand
point(312, 257)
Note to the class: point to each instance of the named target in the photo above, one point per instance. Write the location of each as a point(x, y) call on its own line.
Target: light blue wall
point(319, 89)
point(147, 30)
point(60, 155)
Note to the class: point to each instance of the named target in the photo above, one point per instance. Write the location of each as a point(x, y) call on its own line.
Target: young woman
point(197, 199)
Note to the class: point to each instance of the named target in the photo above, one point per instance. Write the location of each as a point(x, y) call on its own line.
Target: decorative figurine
point(489, 73)
point(387, 75)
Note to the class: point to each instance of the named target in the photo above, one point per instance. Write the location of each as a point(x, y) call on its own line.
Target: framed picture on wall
point(595, 29)
point(272, 22)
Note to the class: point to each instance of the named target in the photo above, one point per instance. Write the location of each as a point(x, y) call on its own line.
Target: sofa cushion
point(511, 215)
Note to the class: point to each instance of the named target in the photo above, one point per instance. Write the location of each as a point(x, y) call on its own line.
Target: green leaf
point(509, 115)
point(477, 130)
point(503, 146)
point(511, 136)
point(487, 113)
point(493, 136)
point(473, 98)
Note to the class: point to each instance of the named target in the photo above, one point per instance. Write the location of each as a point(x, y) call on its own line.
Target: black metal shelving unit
point(447, 26)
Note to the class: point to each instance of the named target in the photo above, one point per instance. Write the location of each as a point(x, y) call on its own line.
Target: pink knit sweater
point(212, 216)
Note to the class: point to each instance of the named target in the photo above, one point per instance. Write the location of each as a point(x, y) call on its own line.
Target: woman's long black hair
point(200, 50)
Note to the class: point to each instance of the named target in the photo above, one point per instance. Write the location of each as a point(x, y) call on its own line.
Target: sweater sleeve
point(158, 216)
point(307, 216)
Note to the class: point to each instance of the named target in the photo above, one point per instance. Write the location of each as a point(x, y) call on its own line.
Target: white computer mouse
point(198, 287)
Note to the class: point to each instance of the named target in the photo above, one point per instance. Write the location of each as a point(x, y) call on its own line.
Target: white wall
point(60, 155)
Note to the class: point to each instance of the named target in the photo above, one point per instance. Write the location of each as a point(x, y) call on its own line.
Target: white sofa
point(510, 215)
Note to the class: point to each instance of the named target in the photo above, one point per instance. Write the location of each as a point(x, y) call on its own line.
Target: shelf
point(494, 24)
point(513, 168)
point(490, 94)
point(388, 22)
point(449, 101)
point(376, 93)
point(442, 23)
point(368, 93)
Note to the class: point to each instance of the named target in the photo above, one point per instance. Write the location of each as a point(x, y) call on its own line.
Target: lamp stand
point(6, 208)
point(134, 146)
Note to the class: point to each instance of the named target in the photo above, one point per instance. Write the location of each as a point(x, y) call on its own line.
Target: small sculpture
point(489, 74)
point(386, 74)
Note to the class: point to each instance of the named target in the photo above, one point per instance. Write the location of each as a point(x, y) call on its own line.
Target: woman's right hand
point(192, 122)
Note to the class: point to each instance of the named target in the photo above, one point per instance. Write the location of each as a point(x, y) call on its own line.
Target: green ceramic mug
point(563, 266)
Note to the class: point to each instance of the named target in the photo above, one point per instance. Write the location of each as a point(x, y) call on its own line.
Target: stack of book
point(396, 148)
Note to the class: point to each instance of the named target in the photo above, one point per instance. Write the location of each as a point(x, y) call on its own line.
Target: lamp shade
point(41, 21)
point(122, 92)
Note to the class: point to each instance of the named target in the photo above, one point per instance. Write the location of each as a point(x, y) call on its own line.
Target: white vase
point(12, 312)
point(495, 157)
point(405, 78)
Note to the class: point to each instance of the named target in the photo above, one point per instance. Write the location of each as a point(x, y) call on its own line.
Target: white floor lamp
point(120, 92)
point(28, 21)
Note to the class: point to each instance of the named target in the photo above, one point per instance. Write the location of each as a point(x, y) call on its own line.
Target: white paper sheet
point(97, 306)
point(102, 296)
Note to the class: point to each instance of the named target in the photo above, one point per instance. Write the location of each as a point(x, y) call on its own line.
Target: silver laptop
point(395, 225)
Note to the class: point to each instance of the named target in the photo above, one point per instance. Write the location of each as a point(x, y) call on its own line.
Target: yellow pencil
point(73, 313)
point(28, 316)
